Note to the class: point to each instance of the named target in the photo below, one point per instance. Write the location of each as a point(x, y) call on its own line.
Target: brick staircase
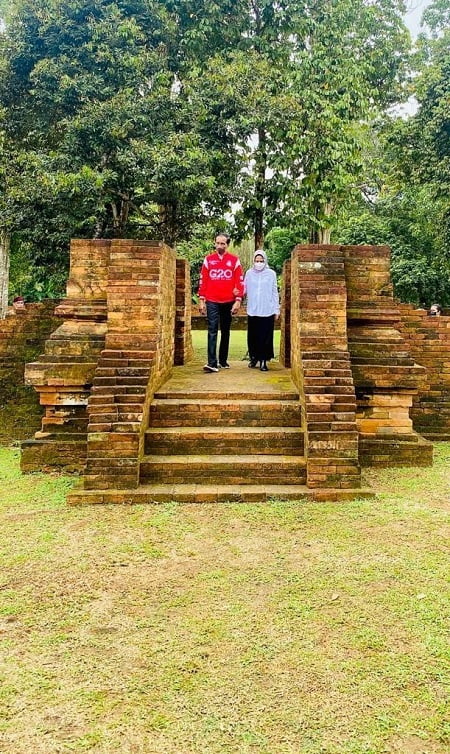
point(227, 438)
point(234, 436)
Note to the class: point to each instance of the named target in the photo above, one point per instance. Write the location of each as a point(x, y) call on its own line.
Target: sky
point(414, 10)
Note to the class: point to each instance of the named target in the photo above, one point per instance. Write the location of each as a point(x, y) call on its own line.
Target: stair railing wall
point(137, 359)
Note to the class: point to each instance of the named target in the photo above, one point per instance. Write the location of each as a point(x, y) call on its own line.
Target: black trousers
point(218, 315)
point(260, 338)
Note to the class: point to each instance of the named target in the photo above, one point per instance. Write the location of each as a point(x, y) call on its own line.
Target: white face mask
point(259, 265)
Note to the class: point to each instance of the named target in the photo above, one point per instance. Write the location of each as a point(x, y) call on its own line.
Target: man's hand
point(202, 306)
point(236, 306)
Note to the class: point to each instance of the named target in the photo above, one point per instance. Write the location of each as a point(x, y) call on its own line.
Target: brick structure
point(22, 337)
point(63, 374)
point(138, 356)
point(183, 340)
point(428, 340)
point(320, 364)
point(386, 375)
point(125, 319)
point(285, 316)
point(362, 368)
point(348, 301)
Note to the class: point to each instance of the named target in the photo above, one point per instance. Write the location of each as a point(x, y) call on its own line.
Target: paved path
point(238, 380)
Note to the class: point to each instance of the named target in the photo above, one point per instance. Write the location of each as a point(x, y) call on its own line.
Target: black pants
point(260, 338)
point(218, 314)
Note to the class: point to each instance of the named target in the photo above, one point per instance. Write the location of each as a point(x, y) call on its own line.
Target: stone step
point(226, 395)
point(436, 436)
point(210, 440)
point(232, 469)
point(201, 413)
point(118, 380)
point(330, 402)
point(113, 426)
point(336, 356)
point(116, 393)
point(115, 415)
point(326, 372)
point(122, 371)
point(324, 381)
point(121, 363)
point(209, 493)
point(334, 389)
point(396, 450)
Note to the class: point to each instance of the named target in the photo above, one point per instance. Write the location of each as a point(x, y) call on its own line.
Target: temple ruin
point(362, 381)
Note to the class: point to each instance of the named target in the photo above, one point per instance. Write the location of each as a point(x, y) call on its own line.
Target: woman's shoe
point(252, 364)
point(264, 367)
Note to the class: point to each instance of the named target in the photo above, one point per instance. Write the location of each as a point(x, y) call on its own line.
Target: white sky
point(414, 10)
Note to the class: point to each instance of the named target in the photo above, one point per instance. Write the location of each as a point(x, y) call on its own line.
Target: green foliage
point(406, 177)
point(153, 118)
point(33, 280)
point(100, 137)
point(280, 242)
point(407, 222)
point(298, 92)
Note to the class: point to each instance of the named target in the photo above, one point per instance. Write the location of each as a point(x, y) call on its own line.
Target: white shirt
point(262, 293)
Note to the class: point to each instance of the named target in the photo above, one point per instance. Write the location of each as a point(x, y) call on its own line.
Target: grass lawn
point(238, 343)
point(254, 629)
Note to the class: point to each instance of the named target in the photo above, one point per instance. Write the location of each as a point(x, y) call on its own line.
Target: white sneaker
point(209, 368)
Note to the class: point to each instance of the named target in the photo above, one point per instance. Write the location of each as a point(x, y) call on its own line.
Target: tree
point(104, 138)
point(430, 128)
point(406, 179)
point(298, 93)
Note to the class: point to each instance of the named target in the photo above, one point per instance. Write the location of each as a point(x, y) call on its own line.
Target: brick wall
point(22, 337)
point(285, 316)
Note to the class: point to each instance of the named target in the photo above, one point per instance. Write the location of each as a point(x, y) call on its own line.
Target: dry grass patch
point(272, 629)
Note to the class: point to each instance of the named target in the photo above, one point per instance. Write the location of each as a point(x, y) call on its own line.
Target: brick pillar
point(138, 356)
point(385, 374)
point(63, 374)
point(285, 318)
point(321, 366)
point(183, 339)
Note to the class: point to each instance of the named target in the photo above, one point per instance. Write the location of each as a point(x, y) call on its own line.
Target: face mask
point(259, 265)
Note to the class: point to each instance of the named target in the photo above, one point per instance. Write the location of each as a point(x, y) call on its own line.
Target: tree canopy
point(159, 118)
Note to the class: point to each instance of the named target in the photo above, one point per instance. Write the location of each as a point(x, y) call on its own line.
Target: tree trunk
point(324, 235)
point(260, 188)
point(318, 234)
point(4, 272)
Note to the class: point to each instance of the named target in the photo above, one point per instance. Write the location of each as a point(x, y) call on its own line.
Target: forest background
point(273, 121)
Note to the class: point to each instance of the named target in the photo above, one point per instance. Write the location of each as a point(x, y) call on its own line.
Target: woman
point(263, 307)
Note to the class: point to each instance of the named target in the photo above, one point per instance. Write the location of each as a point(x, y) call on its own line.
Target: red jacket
point(219, 277)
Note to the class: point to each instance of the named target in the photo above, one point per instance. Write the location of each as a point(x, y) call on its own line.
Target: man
point(221, 290)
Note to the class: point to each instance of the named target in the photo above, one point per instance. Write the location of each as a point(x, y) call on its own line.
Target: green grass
point(238, 343)
point(256, 629)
